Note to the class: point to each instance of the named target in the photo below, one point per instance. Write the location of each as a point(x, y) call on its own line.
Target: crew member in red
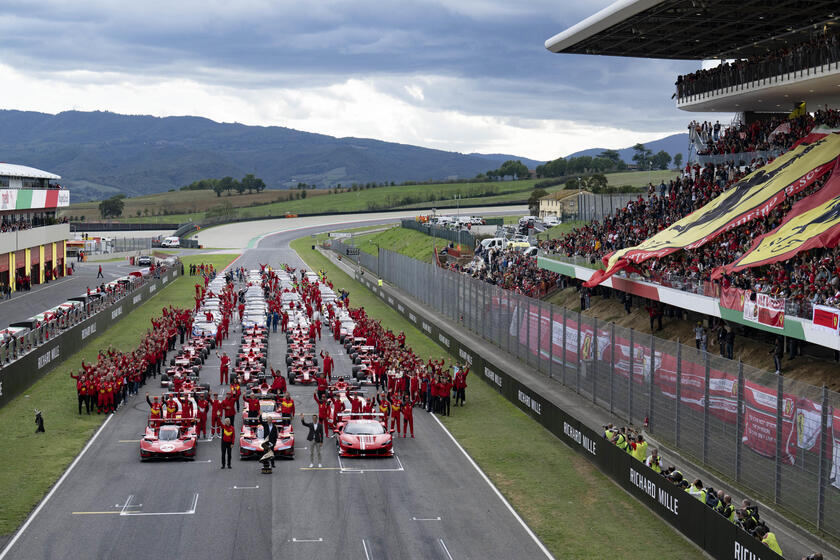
point(155, 412)
point(223, 368)
point(287, 406)
point(171, 407)
point(329, 364)
point(278, 386)
point(202, 404)
point(318, 328)
point(229, 407)
point(355, 404)
point(216, 415)
point(383, 410)
point(81, 391)
point(396, 406)
point(460, 385)
point(236, 389)
point(323, 409)
point(227, 441)
point(408, 415)
point(253, 405)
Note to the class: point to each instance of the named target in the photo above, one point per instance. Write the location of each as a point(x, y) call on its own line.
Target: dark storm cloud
point(491, 52)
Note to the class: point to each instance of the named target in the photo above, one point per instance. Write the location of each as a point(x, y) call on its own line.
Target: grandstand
point(779, 60)
point(32, 239)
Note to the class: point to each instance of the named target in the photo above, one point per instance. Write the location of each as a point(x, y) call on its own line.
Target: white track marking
point(127, 503)
point(446, 550)
point(294, 540)
point(367, 553)
point(425, 518)
point(54, 488)
point(496, 490)
point(244, 487)
point(190, 511)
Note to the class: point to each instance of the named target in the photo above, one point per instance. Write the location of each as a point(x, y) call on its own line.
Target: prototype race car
point(363, 435)
point(171, 439)
point(252, 437)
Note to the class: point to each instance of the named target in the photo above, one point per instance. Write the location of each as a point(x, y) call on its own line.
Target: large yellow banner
point(752, 197)
point(812, 222)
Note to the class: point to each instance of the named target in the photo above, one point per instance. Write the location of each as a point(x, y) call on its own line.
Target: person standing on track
point(227, 441)
point(215, 416)
point(223, 368)
point(315, 437)
point(408, 415)
point(201, 406)
point(99, 274)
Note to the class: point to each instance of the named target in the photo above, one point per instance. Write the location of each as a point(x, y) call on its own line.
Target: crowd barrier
point(698, 522)
point(458, 237)
point(29, 357)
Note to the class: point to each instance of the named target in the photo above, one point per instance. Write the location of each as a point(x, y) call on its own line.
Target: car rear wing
point(359, 415)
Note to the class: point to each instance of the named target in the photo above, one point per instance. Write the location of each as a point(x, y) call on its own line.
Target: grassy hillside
point(183, 206)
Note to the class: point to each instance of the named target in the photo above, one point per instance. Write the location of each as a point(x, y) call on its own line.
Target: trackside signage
point(714, 534)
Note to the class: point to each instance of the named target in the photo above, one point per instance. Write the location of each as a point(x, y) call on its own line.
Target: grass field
point(31, 464)
point(414, 244)
point(574, 509)
point(186, 206)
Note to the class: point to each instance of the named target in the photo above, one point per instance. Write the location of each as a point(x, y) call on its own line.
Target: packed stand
point(510, 269)
point(20, 225)
point(821, 49)
point(774, 134)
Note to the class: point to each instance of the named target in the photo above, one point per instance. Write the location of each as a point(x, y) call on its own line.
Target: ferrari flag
point(826, 318)
point(813, 222)
point(754, 196)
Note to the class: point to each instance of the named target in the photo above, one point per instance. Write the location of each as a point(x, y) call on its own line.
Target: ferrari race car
point(363, 435)
point(171, 439)
point(252, 436)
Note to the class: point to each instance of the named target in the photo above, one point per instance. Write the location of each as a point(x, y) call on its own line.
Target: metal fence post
point(595, 360)
point(550, 341)
point(779, 411)
point(527, 328)
point(825, 434)
point(706, 414)
point(484, 310)
point(539, 337)
point(612, 365)
point(510, 318)
point(679, 397)
point(650, 381)
point(563, 356)
point(579, 361)
point(630, 378)
point(739, 421)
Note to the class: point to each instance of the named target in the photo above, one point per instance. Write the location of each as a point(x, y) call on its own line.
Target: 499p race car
point(171, 439)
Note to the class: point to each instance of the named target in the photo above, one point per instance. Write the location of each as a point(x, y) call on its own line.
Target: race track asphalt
point(428, 502)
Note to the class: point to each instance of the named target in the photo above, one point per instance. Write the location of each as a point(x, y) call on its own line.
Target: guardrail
point(25, 359)
point(698, 522)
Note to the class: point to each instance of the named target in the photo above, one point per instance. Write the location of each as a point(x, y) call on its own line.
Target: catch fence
point(778, 439)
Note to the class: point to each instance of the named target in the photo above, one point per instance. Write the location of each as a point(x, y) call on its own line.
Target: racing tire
point(164, 378)
point(237, 362)
point(356, 369)
point(291, 379)
point(205, 387)
point(172, 362)
point(357, 360)
point(288, 360)
point(213, 344)
point(196, 370)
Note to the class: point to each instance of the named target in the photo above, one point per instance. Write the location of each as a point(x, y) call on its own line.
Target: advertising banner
point(771, 311)
point(732, 298)
point(760, 422)
point(826, 318)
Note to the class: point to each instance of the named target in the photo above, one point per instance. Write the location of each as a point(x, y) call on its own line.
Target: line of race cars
point(359, 431)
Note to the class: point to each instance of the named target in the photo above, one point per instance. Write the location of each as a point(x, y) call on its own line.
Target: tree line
point(228, 184)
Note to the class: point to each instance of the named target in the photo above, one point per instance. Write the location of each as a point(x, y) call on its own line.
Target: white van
point(551, 221)
point(171, 242)
point(494, 243)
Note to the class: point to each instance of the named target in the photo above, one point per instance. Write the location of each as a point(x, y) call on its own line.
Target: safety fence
point(598, 206)
point(38, 345)
point(698, 522)
point(457, 236)
point(776, 438)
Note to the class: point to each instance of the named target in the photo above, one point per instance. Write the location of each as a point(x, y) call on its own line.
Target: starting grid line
point(126, 509)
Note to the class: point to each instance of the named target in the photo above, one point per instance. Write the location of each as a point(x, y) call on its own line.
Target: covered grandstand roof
point(14, 170)
point(695, 29)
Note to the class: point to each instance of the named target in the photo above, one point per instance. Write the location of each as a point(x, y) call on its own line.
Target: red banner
point(771, 311)
point(732, 298)
point(826, 318)
point(760, 422)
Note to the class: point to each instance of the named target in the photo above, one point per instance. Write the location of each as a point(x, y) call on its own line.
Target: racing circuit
point(428, 501)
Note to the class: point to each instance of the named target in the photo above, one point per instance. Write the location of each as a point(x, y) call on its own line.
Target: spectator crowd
point(822, 49)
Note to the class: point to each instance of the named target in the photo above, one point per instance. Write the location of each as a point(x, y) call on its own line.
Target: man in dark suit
point(315, 437)
point(270, 431)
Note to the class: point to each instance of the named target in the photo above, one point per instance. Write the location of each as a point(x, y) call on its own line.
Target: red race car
point(252, 436)
point(362, 435)
point(171, 439)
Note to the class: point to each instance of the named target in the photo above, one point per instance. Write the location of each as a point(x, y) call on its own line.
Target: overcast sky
point(462, 75)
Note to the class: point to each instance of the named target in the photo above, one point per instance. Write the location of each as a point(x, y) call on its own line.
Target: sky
point(465, 75)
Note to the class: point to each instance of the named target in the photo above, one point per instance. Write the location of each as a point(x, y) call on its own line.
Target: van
point(171, 242)
point(493, 243)
point(551, 221)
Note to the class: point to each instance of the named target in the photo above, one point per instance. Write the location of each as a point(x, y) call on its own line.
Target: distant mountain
point(499, 159)
point(99, 154)
point(674, 144)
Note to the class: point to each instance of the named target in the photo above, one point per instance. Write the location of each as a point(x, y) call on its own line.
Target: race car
point(252, 437)
point(302, 373)
point(171, 439)
point(363, 435)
